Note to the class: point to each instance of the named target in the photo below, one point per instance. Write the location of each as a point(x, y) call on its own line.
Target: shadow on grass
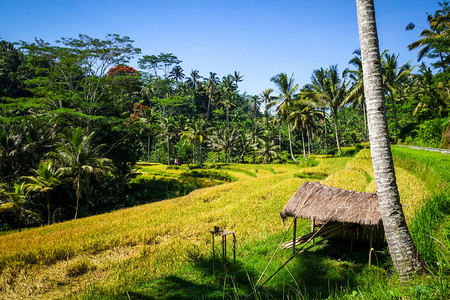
point(317, 274)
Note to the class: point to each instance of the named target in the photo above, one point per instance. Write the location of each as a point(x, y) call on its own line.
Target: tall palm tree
point(195, 76)
point(434, 41)
point(228, 87)
point(211, 85)
point(288, 91)
point(267, 98)
point(196, 132)
point(266, 148)
point(302, 114)
point(168, 131)
point(330, 89)
point(394, 78)
point(401, 247)
point(177, 74)
point(148, 121)
point(426, 91)
point(237, 77)
point(79, 159)
point(43, 180)
point(356, 93)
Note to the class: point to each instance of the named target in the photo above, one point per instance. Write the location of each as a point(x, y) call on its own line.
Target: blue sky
point(259, 39)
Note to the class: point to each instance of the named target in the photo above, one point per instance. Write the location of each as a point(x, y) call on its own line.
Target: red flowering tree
point(121, 70)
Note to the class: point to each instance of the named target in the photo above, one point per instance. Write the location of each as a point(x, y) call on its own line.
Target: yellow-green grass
point(125, 247)
point(358, 175)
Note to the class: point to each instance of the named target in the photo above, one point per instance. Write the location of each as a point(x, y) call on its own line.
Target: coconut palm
point(43, 180)
point(302, 115)
point(14, 203)
point(329, 89)
point(224, 140)
point(195, 76)
point(237, 77)
point(196, 132)
point(288, 91)
point(401, 247)
point(356, 93)
point(266, 98)
point(211, 85)
point(177, 74)
point(426, 91)
point(394, 78)
point(148, 121)
point(79, 159)
point(267, 148)
point(168, 131)
point(434, 41)
point(228, 88)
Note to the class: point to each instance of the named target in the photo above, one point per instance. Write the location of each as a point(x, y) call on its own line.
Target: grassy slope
point(125, 250)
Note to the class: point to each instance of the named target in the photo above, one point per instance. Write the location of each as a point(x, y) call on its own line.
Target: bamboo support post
point(234, 251)
point(370, 248)
point(295, 233)
point(224, 253)
point(213, 252)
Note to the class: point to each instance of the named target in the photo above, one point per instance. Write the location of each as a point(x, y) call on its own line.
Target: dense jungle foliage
point(75, 118)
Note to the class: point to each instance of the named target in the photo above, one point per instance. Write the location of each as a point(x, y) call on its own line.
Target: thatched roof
point(313, 200)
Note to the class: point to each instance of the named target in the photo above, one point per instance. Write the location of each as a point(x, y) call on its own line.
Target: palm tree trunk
point(78, 195)
point(308, 138)
point(336, 133)
point(209, 105)
point(200, 158)
point(168, 151)
point(401, 247)
point(290, 144)
point(325, 130)
point(365, 124)
point(148, 148)
point(303, 143)
point(48, 208)
point(228, 116)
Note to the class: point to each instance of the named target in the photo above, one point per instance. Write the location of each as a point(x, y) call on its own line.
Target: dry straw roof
point(313, 200)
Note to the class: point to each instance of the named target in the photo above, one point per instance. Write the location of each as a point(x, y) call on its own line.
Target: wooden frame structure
point(223, 233)
point(338, 213)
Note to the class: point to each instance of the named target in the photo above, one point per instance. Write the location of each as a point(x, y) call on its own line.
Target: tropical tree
point(228, 88)
point(302, 115)
point(211, 85)
point(267, 98)
point(356, 92)
point(401, 247)
point(79, 159)
point(196, 132)
point(168, 131)
point(237, 77)
point(77, 70)
point(429, 92)
point(195, 77)
point(394, 79)
point(288, 91)
point(177, 74)
point(434, 41)
point(266, 148)
point(329, 89)
point(44, 180)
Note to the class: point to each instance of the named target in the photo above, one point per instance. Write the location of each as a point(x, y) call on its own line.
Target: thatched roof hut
point(325, 203)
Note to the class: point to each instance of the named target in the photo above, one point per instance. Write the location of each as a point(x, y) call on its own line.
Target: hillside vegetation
point(162, 250)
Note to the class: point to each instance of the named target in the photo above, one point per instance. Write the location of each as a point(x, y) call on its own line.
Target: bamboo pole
point(370, 248)
point(294, 237)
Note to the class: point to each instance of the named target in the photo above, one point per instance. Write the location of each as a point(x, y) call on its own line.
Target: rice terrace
point(126, 174)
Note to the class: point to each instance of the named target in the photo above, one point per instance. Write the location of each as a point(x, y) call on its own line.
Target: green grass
point(162, 250)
